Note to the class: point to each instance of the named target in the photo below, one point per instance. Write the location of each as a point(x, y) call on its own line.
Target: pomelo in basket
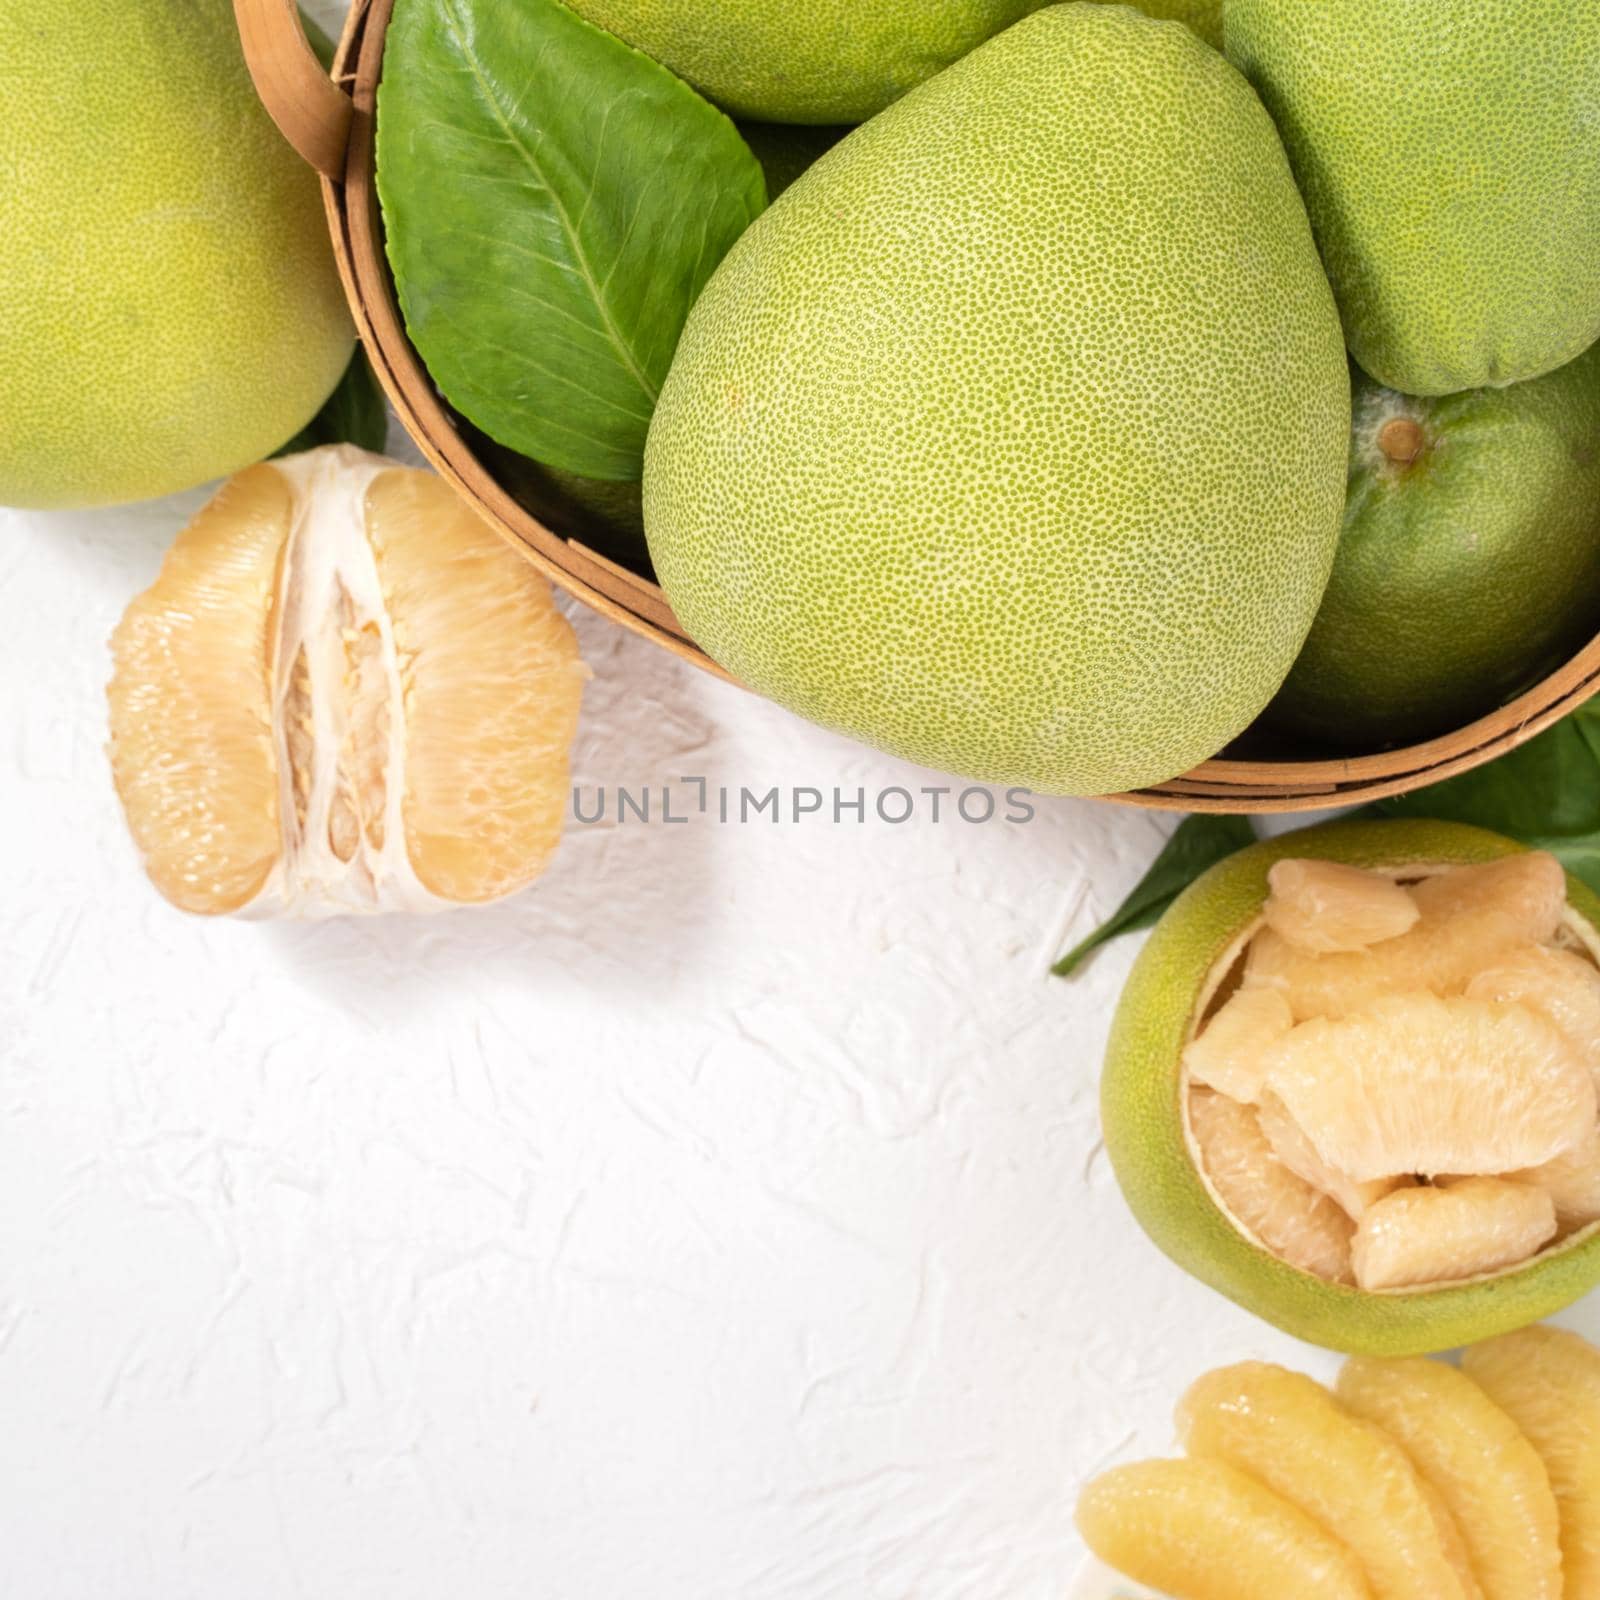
point(1469, 565)
point(1012, 438)
point(833, 61)
point(1448, 157)
point(172, 309)
point(1379, 1132)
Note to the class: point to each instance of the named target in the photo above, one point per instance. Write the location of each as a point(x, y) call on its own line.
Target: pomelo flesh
point(919, 472)
point(1478, 1460)
point(1548, 1382)
point(1204, 1530)
point(1348, 1476)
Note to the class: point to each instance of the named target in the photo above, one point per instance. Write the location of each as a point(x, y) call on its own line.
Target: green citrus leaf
point(353, 414)
point(555, 201)
point(1198, 843)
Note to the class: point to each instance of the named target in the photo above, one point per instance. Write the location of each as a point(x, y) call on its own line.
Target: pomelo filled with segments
point(1446, 972)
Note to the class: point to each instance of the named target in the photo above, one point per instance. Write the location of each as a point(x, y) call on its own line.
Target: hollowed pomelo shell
point(1172, 983)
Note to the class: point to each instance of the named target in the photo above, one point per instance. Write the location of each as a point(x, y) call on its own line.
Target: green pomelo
point(828, 61)
point(1450, 159)
point(832, 61)
point(171, 308)
point(1142, 1114)
point(1012, 438)
point(1469, 565)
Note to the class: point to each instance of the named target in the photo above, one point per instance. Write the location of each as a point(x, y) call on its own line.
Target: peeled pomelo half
point(1348, 1476)
point(1548, 1382)
point(342, 693)
point(1204, 1530)
point(1482, 1465)
point(1196, 953)
point(1451, 1232)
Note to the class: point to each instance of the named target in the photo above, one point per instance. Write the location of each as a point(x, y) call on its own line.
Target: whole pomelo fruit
point(1191, 953)
point(1011, 439)
point(172, 310)
point(833, 61)
point(1469, 564)
point(1449, 157)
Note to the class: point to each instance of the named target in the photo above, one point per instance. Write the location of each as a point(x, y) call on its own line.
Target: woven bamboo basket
point(330, 121)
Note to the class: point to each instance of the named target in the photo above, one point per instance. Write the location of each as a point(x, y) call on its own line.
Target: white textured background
point(724, 1219)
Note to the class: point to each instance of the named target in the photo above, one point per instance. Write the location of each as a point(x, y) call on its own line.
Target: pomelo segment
point(1349, 1477)
point(1562, 986)
point(489, 672)
point(1204, 1530)
point(1470, 916)
point(1299, 1224)
point(1573, 1183)
point(1322, 907)
point(1514, 901)
point(192, 749)
point(1291, 1146)
point(1447, 1233)
point(1482, 1465)
point(1230, 1053)
point(1419, 1084)
point(1548, 1382)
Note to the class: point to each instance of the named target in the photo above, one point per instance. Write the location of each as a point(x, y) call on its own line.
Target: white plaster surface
point(723, 1219)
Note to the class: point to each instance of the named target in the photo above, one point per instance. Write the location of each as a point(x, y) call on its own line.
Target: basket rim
point(1222, 784)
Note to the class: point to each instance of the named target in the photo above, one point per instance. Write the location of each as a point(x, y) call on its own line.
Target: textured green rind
point(1204, 16)
point(1143, 1127)
point(1450, 160)
point(169, 307)
point(1012, 438)
point(1481, 559)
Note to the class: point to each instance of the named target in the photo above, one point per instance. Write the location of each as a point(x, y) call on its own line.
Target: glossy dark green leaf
point(1198, 843)
point(554, 202)
point(353, 414)
point(1545, 794)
